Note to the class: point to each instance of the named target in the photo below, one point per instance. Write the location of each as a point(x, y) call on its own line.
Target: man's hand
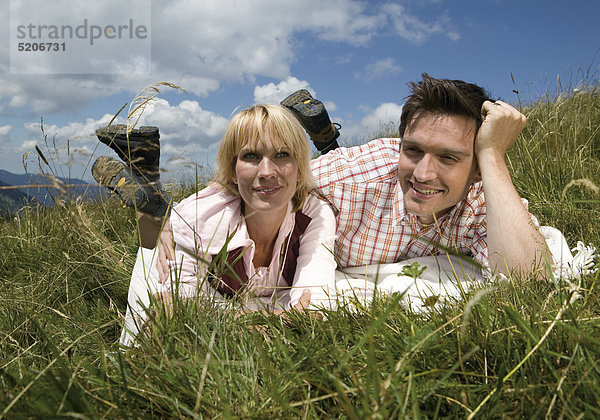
point(166, 253)
point(514, 243)
point(501, 126)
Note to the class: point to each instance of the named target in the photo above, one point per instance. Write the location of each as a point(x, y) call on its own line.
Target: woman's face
point(266, 178)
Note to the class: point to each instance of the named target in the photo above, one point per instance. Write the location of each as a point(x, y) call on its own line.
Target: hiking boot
point(140, 150)
point(145, 197)
point(314, 118)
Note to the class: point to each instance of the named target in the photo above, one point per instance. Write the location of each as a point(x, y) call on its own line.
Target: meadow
point(520, 348)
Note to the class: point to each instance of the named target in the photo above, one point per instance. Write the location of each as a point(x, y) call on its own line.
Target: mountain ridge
point(42, 189)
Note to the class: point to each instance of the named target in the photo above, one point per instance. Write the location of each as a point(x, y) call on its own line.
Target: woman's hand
point(166, 253)
point(160, 299)
point(302, 306)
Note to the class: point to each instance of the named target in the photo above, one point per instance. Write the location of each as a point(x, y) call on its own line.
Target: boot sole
point(115, 176)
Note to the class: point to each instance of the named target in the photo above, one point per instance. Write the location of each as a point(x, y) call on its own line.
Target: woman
point(257, 230)
point(258, 233)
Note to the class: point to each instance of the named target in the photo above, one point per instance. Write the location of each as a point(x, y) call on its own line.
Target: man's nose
point(425, 169)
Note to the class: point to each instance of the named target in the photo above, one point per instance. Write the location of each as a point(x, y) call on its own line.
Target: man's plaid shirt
point(373, 225)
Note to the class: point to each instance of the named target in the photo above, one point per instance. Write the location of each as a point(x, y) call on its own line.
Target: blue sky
point(356, 56)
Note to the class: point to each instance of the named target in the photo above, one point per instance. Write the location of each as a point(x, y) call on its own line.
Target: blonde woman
point(258, 232)
point(258, 235)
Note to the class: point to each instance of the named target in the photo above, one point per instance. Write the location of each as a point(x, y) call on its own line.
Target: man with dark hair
point(443, 184)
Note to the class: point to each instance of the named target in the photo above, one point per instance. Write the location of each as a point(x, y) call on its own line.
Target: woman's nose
point(266, 168)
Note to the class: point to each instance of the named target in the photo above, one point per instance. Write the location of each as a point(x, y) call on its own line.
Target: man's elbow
point(536, 266)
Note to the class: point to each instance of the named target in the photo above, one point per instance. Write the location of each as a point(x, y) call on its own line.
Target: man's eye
point(448, 159)
point(411, 150)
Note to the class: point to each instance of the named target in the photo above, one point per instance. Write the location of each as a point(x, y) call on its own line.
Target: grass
point(519, 348)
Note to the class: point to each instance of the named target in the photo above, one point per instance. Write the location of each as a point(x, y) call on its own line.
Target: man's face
point(437, 164)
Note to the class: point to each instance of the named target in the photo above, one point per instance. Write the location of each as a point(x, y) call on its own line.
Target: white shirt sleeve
point(315, 266)
point(185, 271)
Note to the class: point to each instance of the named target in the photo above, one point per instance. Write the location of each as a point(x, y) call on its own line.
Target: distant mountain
point(38, 188)
point(11, 200)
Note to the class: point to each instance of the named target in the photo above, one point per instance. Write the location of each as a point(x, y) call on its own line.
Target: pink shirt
point(210, 220)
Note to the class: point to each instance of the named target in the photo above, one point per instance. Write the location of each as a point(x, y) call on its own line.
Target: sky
point(355, 56)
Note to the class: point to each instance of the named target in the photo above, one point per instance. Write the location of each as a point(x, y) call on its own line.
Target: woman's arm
point(166, 253)
point(187, 273)
point(315, 267)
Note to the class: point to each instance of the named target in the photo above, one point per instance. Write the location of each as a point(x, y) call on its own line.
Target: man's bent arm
point(514, 242)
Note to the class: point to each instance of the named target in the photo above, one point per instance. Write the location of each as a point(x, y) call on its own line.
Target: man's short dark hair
point(442, 97)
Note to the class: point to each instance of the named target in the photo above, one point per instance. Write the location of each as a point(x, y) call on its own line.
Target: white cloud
point(4, 131)
point(413, 29)
point(200, 45)
point(383, 115)
point(79, 35)
point(47, 94)
point(384, 119)
point(274, 93)
point(183, 123)
point(203, 46)
point(382, 68)
point(74, 131)
point(185, 129)
point(28, 145)
point(330, 106)
point(186, 124)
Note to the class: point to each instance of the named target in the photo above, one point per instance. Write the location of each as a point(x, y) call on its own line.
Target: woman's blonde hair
point(250, 126)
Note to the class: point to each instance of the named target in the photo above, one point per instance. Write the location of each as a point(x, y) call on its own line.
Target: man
point(443, 184)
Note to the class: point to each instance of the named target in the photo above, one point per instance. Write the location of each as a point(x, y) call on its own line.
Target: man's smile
point(424, 190)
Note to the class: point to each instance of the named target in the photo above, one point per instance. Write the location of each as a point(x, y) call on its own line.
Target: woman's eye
point(249, 156)
point(282, 154)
